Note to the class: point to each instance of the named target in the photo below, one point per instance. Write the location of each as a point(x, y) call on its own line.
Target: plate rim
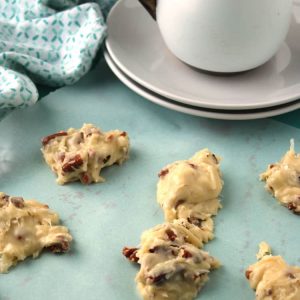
point(196, 111)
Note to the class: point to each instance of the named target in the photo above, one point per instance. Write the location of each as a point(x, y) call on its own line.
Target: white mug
point(222, 35)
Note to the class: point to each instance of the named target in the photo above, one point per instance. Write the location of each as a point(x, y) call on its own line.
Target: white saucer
point(136, 46)
point(193, 110)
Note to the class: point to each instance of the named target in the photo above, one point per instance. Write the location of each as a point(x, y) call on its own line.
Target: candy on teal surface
point(105, 217)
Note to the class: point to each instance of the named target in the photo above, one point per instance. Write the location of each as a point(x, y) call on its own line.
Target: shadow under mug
point(224, 36)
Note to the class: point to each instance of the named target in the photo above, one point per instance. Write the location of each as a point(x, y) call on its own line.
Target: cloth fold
point(51, 42)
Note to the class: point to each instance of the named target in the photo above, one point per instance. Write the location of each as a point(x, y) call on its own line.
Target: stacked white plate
point(138, 56)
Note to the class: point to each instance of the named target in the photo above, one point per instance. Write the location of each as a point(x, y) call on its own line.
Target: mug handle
point(150, 6)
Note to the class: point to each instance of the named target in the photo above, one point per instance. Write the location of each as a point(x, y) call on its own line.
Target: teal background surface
point(105, 217)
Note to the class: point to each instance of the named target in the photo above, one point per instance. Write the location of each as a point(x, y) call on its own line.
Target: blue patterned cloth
point(50, 42)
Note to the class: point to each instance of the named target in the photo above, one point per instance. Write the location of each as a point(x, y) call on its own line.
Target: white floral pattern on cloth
point(51, 42)
point(16, 90)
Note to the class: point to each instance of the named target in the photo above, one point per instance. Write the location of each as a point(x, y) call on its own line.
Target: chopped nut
point(110, 137)
point(4, 200)
point(130, 254)
point(195, 221)
point(186, 254)
point(4, 197)
point(269, 292)
point(171, 235)
point(48, 138)
point(154, 249)
point(124, 133)
point(247, 274)
point(72, 164)
point(17, 201)
point(163, 173)
point(179, 202)
point(291, 275)
point(215, 159)
point(193, 166)
point(106, 159)
point(61, 156)
point(158, 279)
point(61, 246)
point(293, 207)
point(19, 237)
point(199, 275)
point(84, 177)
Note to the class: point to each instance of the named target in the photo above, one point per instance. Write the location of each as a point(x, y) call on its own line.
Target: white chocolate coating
point(274, 279)
point(283, 180)
point(80, 154)
point(26, 228)
point(264, 249)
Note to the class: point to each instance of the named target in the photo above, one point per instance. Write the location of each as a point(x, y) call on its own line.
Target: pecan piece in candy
point(199, 275)
point(82, 135)
point(247, 274)
point(154, 249)
point(50, 137)
point(4, 200)
point(195, 221)
point(187, 254)
point(59, 247)
point(61, 156)
point(291, 275)
point(158, 279)
point(293, 207)
point(130, 253)
point(269, 292)
point(163, 173)
point(84, 177)
point(171, 235)
point(193, 166)
point(72, 164)
point(17, 201)
point(124, 133)
point(215, 158)
point(110, 137)
point(178, 203)
point(106, 159)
